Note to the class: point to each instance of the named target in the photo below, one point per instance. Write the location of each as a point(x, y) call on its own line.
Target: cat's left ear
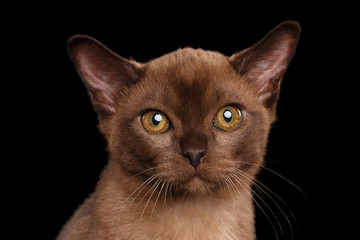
point(265, 63)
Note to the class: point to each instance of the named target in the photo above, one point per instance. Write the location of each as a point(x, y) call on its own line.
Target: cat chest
point(194, 222)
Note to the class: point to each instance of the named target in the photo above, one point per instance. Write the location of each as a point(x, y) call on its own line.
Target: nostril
point(194, 156)
point(201, 155)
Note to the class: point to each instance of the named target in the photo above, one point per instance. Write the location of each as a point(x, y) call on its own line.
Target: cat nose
point(194, 156)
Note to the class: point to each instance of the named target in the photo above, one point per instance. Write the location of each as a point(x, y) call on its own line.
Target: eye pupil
point(227, 115)
point(156, 119)
point(228, 118)
point(155, 122)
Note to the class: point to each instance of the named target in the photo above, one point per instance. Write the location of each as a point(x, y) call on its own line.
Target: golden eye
point(155, 122)
point(228, 118)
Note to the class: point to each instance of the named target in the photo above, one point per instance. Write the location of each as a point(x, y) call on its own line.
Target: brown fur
point(212, 201)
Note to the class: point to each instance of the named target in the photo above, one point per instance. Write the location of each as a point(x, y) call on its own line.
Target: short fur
point(148, 189)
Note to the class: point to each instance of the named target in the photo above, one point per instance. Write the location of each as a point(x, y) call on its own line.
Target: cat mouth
point(196, 180)
point(198, 184)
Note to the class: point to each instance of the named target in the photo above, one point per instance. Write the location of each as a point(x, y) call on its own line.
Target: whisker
point(152, 189)
point(283, 202)
point(165, 193)
point(228, 182)
point(143, 172)
point(157, 198)
point(141, 187)
point(208, 191)
point(256, 184)
point(238, 180)
point(279, 175)
point(287, 180)
point(171, 193)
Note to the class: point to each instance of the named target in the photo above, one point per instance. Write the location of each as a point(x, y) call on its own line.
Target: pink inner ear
point(267, 61)
point(103, 72)
point(264, 63)
point(268, 71)
point(269, 68)
point(99, 88)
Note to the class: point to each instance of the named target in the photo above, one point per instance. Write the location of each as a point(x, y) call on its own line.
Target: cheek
point(227, 144)
point(224, 140)
point(170, 166)
point(147, 144)
point(155, 143)
point(228, 152)
point(155, 148)
point(242, 145)
point(158, 142)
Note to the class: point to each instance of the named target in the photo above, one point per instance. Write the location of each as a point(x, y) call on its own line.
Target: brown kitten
point(186, 136)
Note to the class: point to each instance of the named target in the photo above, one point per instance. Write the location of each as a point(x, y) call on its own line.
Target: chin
point(197, 185)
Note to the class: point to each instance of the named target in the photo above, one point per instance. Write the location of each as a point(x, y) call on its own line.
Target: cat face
point(192, 152)
point(191, 121)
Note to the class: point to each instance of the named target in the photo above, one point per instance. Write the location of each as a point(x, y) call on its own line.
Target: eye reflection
point(155, 122)
point(228, 118)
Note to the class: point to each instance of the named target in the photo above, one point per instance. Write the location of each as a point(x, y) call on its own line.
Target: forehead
point(192, 82)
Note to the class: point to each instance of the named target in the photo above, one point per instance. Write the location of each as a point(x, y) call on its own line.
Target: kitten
point(186, 136)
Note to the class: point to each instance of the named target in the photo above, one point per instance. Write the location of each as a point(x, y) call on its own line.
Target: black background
point(58, 153)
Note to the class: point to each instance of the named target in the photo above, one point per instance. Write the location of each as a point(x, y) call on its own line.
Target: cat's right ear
point(103, 72)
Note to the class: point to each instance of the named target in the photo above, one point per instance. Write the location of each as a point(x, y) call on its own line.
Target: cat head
point(191, 120)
